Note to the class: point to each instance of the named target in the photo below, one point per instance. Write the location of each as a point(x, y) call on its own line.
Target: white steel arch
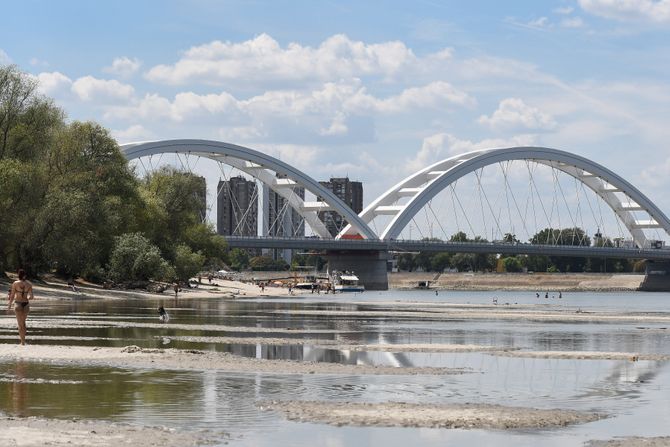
point(422, 186)
point(263, 167)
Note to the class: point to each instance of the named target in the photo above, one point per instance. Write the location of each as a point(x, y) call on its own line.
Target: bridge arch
point(425, 184)
point(262, 167)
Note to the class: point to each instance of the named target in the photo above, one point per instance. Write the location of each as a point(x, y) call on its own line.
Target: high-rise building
point(280, 219)
point(283, 220)
point(351, 193)
point(237, 207)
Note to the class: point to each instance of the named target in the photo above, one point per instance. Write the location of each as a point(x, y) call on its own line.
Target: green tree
point(135, 258)
point(187, 264)
point(239, 259)
point(512, 264)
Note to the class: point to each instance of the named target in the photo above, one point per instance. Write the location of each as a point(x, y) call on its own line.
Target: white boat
point(347, 282)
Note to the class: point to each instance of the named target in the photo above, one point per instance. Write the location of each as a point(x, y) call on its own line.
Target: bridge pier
point(657, 276)
point(369, 266)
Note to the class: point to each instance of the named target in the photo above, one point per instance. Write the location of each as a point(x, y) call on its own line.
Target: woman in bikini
point(20, 294)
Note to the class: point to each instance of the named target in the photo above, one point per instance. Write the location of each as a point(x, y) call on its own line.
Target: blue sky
point(371, 89)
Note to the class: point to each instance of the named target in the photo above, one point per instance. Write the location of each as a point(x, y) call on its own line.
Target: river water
point(633, 394)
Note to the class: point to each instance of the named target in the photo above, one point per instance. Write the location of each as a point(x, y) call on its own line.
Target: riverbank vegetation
point(71, 203)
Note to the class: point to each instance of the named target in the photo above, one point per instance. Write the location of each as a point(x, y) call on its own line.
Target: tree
point(239, 259)
point(266, 263)
point(135, 258)
point(187, 263)
point(512, 264)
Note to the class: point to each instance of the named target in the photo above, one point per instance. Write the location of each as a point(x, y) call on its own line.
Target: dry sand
point(398, 414)
point(34, 432)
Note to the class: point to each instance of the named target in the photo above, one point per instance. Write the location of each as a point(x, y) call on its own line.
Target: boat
point(346, 282)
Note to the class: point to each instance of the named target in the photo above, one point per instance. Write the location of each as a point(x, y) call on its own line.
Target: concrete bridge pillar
point(657, 276)
point(369, 266)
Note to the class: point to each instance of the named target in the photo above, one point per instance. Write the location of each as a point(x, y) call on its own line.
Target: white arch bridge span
point(401, 203)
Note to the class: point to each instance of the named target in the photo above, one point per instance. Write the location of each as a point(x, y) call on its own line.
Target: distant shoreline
point(601, 282)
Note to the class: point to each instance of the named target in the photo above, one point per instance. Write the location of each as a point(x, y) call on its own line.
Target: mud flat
point(635, 441)
point(584, 355)
point(24, 432)
point(399, 414)
point(174, 359)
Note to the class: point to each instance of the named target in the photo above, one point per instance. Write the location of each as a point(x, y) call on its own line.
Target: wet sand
point(37, 432)
point(635, 441)
point(399, 414)
point(174, 359)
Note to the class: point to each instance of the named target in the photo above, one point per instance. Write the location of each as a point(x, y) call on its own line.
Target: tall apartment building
point(283, 220)
point(237, 207)
point(351, 193)
point(279, 219)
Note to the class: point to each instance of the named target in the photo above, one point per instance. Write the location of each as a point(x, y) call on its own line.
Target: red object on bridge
point(351, 236)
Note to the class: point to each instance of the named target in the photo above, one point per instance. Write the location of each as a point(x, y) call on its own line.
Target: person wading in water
point(20, 294)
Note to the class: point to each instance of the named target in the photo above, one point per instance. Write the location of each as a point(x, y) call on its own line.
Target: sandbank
point(634, 441)
point(399, 414)
point(34, 432)
point(175, 359)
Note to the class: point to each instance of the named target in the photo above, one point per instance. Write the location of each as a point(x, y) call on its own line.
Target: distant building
point(237, 207)
point(351, 193)
point(279, 219)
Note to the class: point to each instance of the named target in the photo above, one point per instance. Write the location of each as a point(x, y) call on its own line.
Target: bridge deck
point(453, 247)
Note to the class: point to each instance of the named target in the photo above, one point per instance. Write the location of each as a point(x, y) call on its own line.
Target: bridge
point(366, 239)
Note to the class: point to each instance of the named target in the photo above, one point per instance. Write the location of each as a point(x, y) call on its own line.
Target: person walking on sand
point(20, 294)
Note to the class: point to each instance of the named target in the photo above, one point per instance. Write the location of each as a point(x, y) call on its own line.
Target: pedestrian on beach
point(210, 277)
point(20, 294)
point(175, 287)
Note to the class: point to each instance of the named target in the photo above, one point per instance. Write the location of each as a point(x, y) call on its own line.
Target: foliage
point(308, 260)
point(238, 259)
point(512, 264)
point(135, 258)
point(67, 193)
point(266, 263)
point(187, 263)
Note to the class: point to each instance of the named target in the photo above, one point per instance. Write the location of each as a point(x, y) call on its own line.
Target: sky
point(373, 90)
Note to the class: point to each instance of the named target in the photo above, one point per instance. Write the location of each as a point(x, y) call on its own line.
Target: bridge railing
point(447, 246)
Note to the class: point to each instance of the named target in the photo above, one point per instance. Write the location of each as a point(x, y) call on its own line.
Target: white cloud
point(35, 62)
point(572, 22)
point(292, 114)
point(88, 88)
point(123, 66)
point(513, 113)
point(337, 127)
point(54, 83)
point(4, 58)
point(564, 10)
point(541, 22)
point(134, 133)
point(442, 145)
point(264, 59)
point(655, 11)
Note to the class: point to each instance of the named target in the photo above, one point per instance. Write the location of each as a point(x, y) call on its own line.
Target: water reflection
point(203, 400)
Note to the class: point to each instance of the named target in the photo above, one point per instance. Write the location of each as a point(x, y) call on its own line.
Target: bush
point(134, 258)
point(187, 263)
